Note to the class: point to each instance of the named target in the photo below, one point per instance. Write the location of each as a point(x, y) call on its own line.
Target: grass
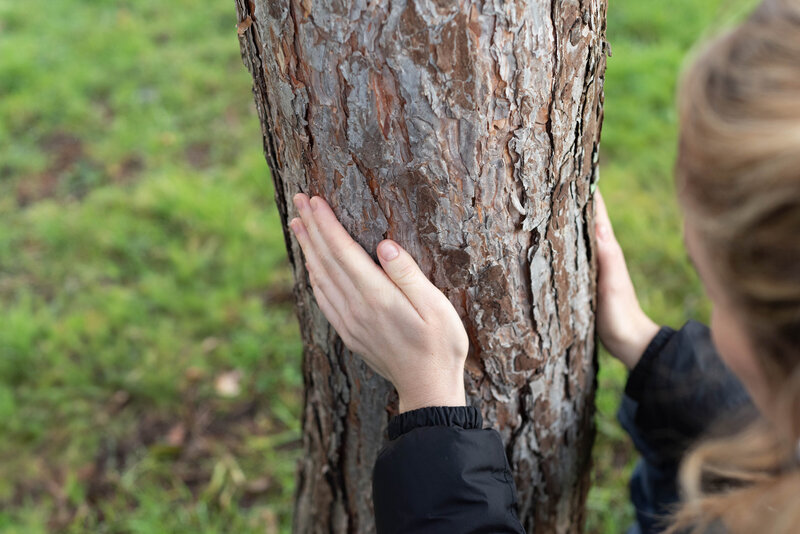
point(149, 354)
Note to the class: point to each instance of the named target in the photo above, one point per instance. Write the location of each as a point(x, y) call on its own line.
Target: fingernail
point(389, 251)
point(299, 202)
point(314, 203)
point(297, 226)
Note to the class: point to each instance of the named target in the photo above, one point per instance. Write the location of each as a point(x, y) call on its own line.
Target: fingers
point(612, 270)
point(328, 309)
point(347, 263)
point(316, 248)
point(605, 232)
point(321, 277)
point(329, 248)
point(333, 313)
point(609, 250)
point(406, 274)
point(351, 256)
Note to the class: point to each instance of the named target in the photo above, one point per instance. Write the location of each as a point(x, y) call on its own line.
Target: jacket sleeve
point(678, 391)
point(441, 472)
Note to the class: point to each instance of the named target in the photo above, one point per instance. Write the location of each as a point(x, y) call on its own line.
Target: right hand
point(624, 329)
point(390, 314)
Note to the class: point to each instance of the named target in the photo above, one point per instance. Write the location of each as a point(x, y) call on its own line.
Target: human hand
point(624, 328)
point(401, 324)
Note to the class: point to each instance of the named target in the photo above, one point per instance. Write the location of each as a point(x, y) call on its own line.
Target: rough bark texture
point(468, 132)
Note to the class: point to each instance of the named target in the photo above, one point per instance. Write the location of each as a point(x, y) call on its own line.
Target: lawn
point(149, 353)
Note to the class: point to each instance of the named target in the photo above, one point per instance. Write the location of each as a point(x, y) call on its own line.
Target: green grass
point(142, 261)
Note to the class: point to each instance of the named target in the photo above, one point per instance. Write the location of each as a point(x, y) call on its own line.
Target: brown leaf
point(193, 374)
point(118, 401)
point(228, 384)
point(258, 485)
point(177, 435)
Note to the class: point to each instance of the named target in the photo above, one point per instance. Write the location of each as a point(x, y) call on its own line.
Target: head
point(738, 177)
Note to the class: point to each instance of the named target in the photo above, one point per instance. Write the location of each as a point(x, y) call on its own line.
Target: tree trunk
point(468, 132)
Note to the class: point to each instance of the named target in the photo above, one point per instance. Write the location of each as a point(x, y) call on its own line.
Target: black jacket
point(441, 472)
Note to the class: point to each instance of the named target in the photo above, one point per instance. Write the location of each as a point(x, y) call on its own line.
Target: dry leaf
point(258, 485)
point(176, 435)
point(228, 384)
point(193, 374)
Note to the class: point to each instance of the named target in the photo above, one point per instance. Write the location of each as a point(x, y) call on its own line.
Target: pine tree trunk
point(468, 132)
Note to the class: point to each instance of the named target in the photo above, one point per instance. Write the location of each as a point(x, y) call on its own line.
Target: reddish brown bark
point(468, 132)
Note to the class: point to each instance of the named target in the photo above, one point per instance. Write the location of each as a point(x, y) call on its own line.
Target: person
point(738, 177)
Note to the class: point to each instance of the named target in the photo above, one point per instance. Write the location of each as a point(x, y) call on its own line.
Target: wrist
point(641, 333)
point(444, 391)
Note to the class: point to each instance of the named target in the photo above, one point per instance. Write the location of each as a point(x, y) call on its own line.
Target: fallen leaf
point(118, 400)
point(193, 374)
point(176, 435)
point(258, 485)
point(228, 384)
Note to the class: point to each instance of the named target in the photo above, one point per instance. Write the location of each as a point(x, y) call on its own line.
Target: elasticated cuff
point(466, 417)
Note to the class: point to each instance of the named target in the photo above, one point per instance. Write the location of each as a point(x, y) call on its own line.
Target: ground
point(149, 354)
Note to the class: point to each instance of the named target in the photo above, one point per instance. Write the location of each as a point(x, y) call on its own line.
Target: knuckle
point(379, 300)
point(405, 274)
point(386, 298)
point(345, 251)
point(438, 310)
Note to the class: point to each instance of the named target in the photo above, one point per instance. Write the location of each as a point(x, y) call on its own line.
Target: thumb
point(406, 274)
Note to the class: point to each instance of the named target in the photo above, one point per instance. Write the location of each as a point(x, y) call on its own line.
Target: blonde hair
point(738, 173)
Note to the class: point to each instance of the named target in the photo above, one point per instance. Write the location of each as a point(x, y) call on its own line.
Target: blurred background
point(149, 353)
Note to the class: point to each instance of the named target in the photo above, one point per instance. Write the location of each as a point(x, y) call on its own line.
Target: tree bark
point(468, 132)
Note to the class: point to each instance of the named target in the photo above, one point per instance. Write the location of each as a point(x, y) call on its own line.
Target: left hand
point(624, 328)
point(402, 325)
